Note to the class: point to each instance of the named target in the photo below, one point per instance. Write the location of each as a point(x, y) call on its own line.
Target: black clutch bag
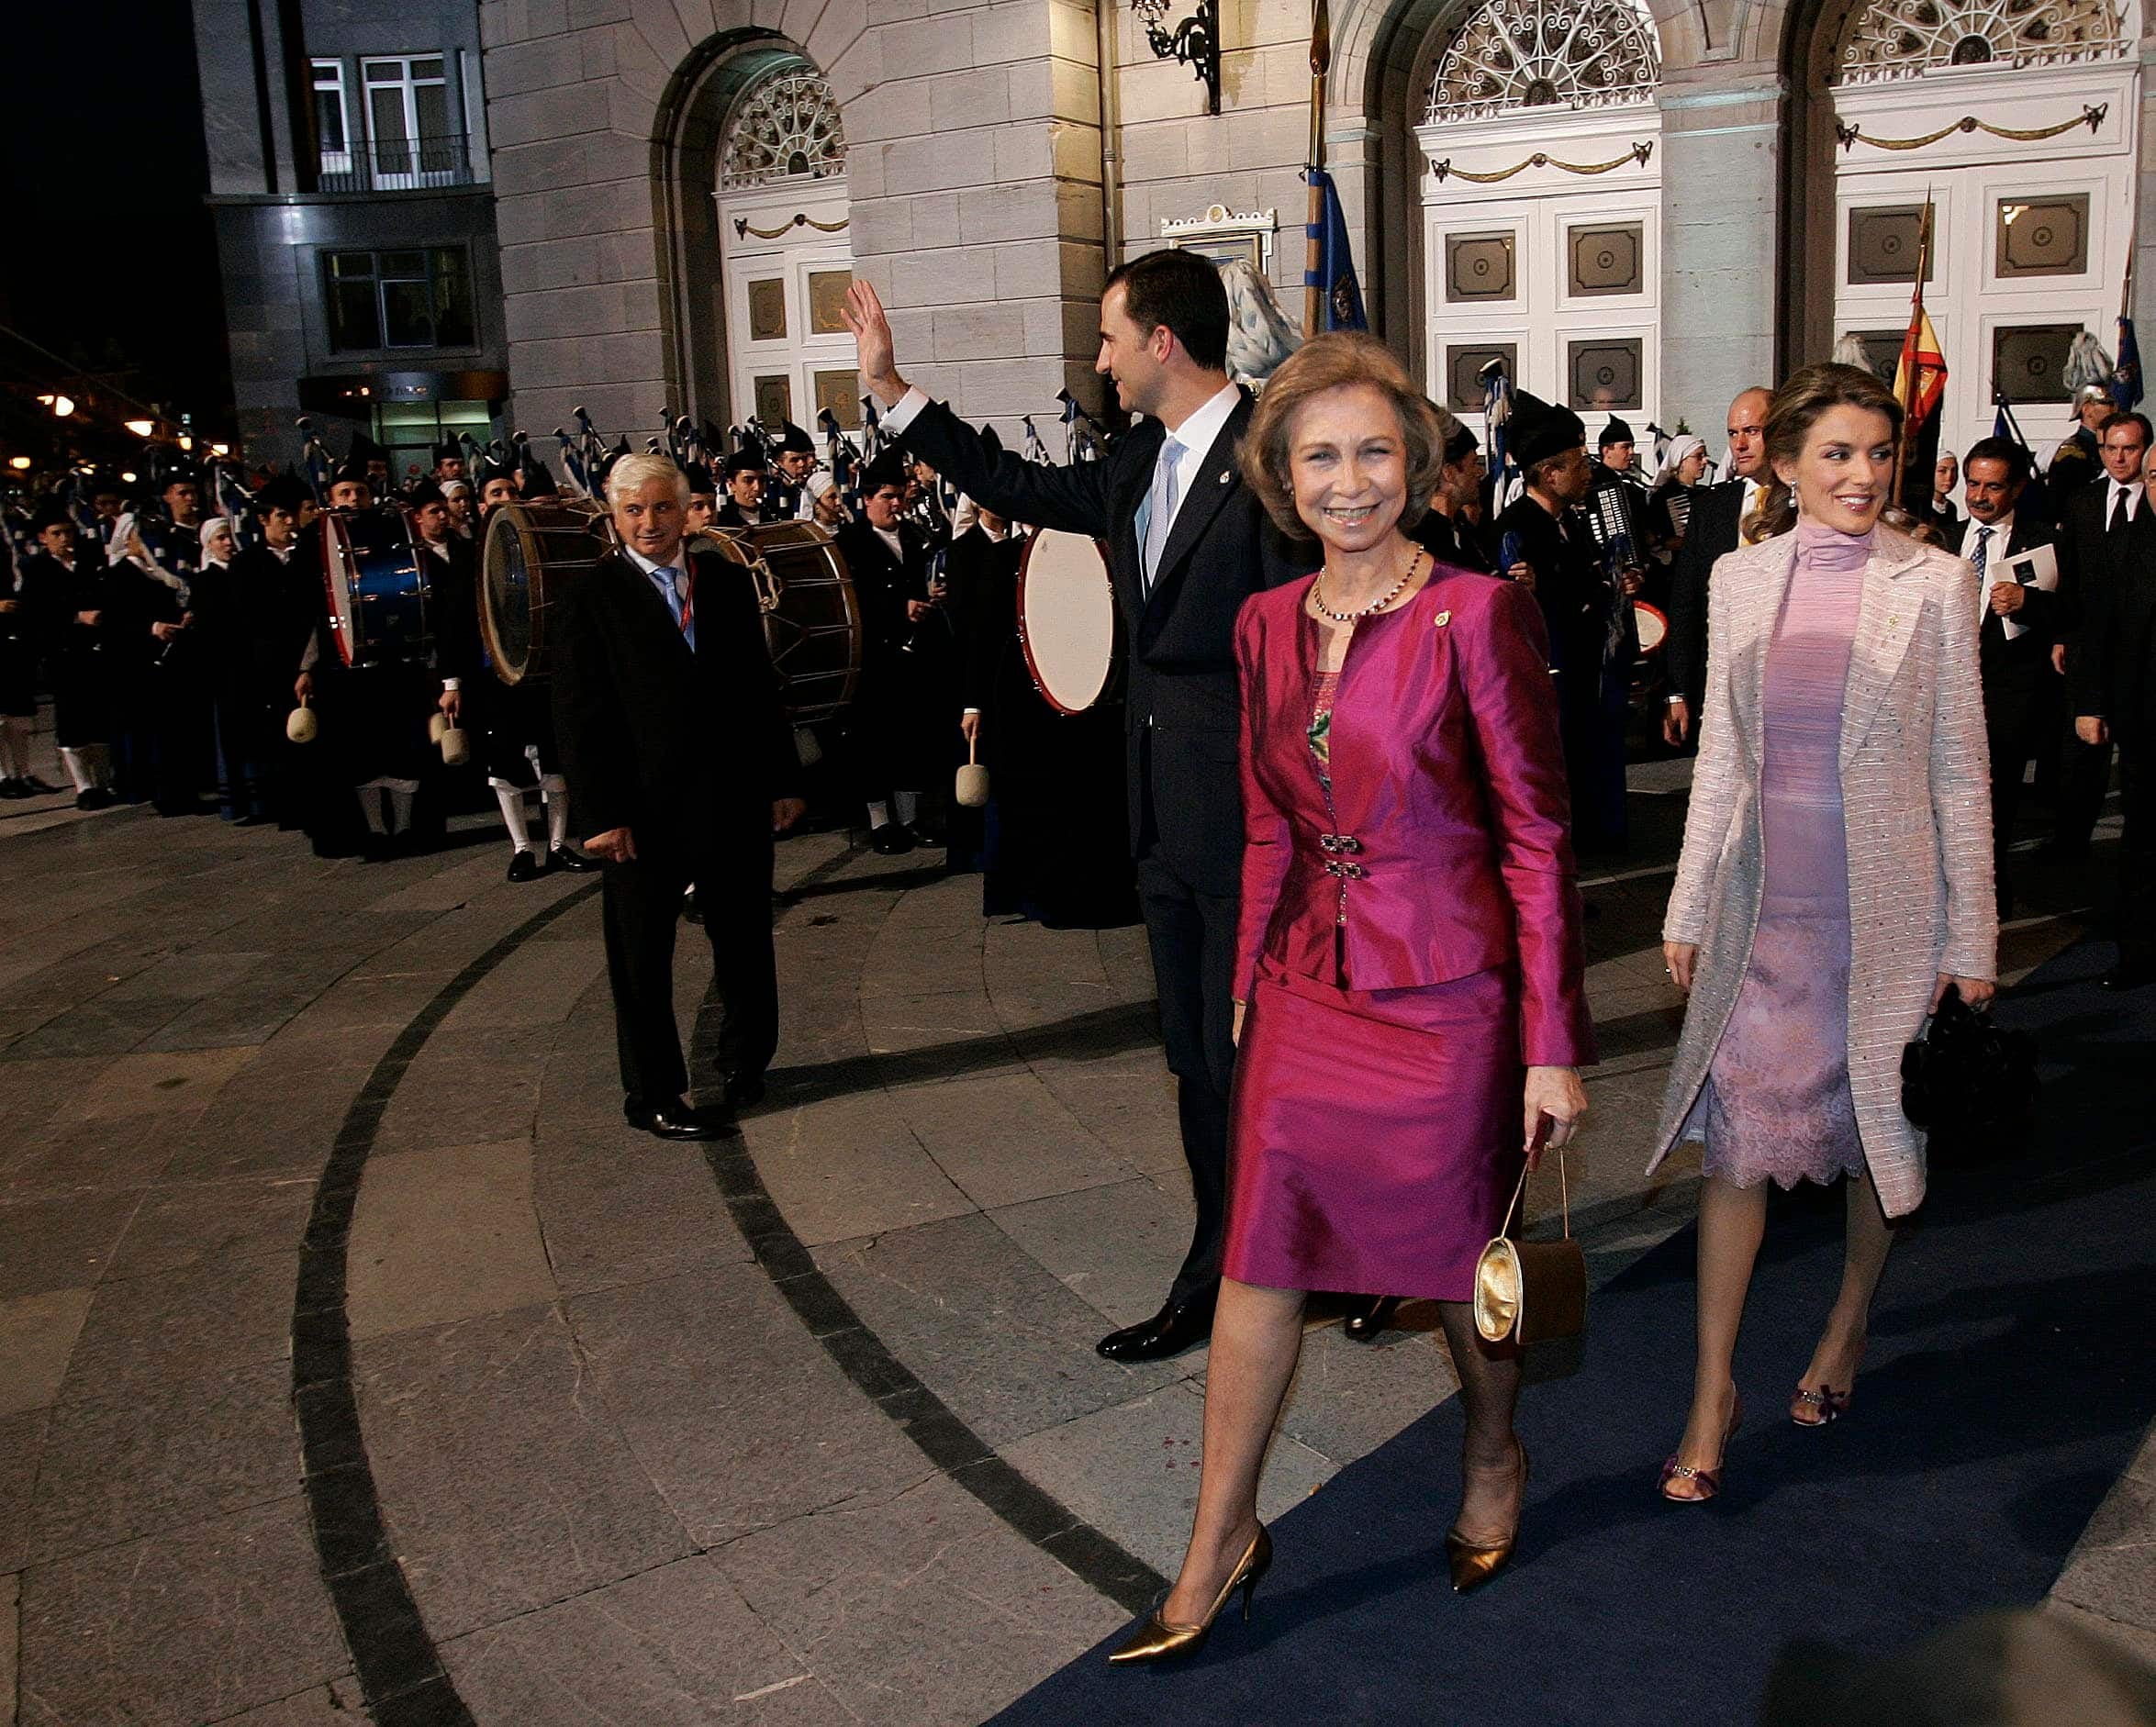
point(1966, 1079)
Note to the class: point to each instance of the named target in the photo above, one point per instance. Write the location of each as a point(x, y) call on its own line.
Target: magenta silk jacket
point(1446, 846)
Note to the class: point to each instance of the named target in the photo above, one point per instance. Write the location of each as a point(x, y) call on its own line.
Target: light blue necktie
point(1160, 508)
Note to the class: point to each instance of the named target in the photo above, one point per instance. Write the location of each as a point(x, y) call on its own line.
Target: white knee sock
point(554, 792)
point(370, 803)
point(511, 799)
point(909, 804)
point(14, 746)
point(77, 763)
point(878, 815)
point(401, 793)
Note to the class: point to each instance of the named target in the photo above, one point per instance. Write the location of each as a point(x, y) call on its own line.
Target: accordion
point(1614, 510)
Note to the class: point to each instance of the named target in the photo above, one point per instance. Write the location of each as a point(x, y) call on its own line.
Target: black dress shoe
point(744, 1091)
point(1179, 1326)
point(96, 797)
point(692, 910)
point(37, 787)
point(890, 839)
point(2131, 974)
point(1368, 1320)
point(13, 788)
point(926, 834)
point(524, 867)
point(560, 858)
point(672, 1120)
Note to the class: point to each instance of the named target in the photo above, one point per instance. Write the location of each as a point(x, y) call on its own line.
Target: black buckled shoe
point(562, 858)
point(524, 866)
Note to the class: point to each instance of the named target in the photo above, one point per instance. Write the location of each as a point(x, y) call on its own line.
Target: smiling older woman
point(1408, 966)
point(1836, 877)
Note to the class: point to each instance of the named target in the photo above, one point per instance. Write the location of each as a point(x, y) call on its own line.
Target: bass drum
point(1067, 620)
point(375, 586)
point(533, 551)
point(811, 614)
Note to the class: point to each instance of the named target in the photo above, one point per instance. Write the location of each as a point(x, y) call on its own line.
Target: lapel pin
point(1439, 621)
point(1226, 475)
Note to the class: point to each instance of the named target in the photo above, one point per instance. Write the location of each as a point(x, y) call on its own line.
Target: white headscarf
point(210, 527)
point(1674, 458)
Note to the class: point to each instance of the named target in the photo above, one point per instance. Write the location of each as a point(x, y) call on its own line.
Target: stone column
point(1722, 144)
point(973, 167)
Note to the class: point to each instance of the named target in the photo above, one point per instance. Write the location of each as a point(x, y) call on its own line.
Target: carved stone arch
point(688, 134)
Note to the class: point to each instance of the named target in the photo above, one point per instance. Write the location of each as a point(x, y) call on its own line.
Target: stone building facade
point(1649, 203)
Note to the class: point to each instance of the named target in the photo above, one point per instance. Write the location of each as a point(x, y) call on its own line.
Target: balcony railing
point(397, 164)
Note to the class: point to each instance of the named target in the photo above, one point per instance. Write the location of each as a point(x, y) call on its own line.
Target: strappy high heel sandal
point(1707, 1483)
point(1819, 1407)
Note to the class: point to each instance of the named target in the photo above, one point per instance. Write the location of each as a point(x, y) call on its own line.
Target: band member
point(892, 761)
point(64, 589)
point(19, 634)
point(279, 595)
point(457, 495)
point(679, 751)
point(449, 463)
point(793, 460)
point(497, 485)
point(353, 487)
point(1188, 543)
point(703, 498)
point(742, 476)
point(1588, 615)
point(1445, 532)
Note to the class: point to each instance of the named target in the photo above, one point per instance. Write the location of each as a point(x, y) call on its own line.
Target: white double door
point(789, 354)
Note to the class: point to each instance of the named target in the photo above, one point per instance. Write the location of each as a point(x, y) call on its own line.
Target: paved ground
point(801, 1428)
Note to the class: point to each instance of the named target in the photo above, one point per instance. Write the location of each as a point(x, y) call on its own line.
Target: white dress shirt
point(1197, 434)
point(1994, 549)
point(2112, 488)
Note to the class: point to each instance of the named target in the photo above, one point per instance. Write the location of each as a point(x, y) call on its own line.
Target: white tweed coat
point(1916, 803)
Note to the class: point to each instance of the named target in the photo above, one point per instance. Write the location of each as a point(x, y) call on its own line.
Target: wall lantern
point(1195, 41)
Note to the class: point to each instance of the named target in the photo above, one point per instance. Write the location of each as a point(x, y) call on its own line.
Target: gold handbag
point(1526, 1292)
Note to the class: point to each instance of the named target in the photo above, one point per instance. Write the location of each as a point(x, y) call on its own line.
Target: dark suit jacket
point(1180, 709)
point(1716, 529)
point(1447, 541)
point(2111, 669)
point(883, 583)
point(686, 749)
point(2088, 551)
point(2014, 672)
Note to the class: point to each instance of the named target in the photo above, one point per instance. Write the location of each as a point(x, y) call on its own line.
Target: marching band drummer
point(497, 485)
point(888, 557)
point(513, 722)
point(278, 594)
point(63, 585)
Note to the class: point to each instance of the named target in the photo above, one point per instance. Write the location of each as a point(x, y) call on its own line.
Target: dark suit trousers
point(2084, 780)
point(2137, 856)
point(642, 908)
point(1193, 936)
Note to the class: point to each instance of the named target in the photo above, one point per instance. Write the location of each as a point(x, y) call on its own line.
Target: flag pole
point(1908, 381)
point(1321, 60)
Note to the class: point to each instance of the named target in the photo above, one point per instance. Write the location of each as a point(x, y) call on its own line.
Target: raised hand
point(872, 344)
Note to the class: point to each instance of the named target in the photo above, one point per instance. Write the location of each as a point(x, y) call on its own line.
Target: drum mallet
point(972, 791)
point(456, 746)
point(299, 724)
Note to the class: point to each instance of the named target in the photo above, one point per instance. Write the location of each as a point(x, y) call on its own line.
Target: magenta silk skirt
point(1376, 1134)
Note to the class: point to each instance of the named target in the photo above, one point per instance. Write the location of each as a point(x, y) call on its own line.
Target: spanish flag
point(1920, 374)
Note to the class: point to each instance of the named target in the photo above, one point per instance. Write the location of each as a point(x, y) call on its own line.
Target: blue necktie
point(1160, 508)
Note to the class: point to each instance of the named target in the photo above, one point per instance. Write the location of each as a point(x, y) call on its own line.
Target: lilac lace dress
point(1777, 1099)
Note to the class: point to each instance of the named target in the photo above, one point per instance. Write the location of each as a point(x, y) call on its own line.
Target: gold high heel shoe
point(1157, 1640)
point(1474, 1563)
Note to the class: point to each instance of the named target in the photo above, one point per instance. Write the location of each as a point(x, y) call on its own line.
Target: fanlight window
point(785, 127)
point(1898, 39)
point(1547, 53)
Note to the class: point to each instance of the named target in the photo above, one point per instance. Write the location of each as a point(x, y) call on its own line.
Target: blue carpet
point(2011, 1376)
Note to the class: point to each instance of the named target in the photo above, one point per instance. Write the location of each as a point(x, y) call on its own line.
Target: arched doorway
point(1541, 205)
point(751, 138)
point(781, 198)
point(2018, 120)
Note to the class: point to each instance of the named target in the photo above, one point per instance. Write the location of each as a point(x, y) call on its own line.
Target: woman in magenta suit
point(1409, 979)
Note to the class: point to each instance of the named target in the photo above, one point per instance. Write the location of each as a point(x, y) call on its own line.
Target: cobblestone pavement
point(357, 1361)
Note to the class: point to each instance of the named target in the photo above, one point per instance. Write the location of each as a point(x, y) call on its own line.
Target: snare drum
point(533, 551)
point(376, 583)
point(1067, 620)
point(811, 614)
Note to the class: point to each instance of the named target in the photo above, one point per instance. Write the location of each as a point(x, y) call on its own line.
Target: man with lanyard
point(679, 749)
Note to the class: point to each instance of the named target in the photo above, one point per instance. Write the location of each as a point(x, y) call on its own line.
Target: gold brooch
point(1439, 621)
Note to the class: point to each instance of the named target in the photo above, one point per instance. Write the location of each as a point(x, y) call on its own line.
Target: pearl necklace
point(1317, 595)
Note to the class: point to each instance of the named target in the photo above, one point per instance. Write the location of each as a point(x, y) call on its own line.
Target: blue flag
point(2125, 380)
point(1336, 271)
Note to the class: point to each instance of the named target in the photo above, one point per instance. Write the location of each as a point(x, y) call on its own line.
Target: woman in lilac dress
point(1833, 880)
point(1409, 972)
